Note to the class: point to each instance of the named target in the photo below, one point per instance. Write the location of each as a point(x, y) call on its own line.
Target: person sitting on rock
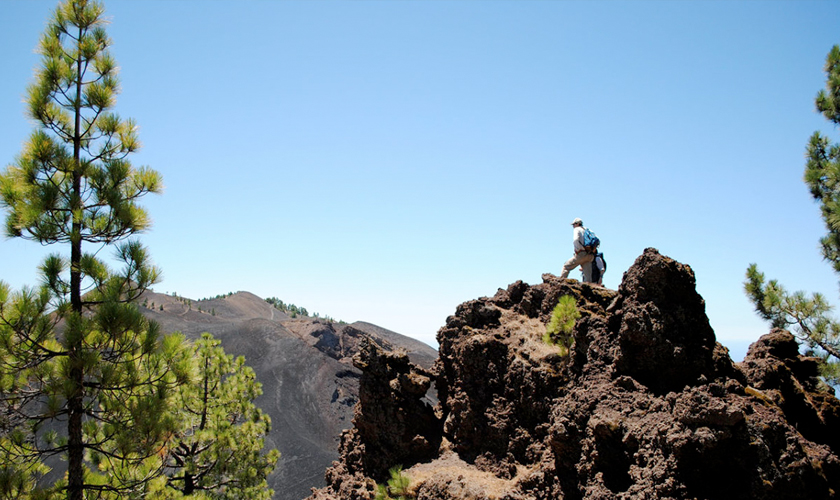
point(582, 257)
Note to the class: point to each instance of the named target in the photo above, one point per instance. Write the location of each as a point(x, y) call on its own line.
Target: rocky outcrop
point(788, 381)
point(646, 405)
point(394, 419)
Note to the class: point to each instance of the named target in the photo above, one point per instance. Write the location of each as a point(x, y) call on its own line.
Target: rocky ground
point(647, 405)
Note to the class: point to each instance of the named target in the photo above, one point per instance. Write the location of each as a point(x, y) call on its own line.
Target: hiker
point(599, 267)
point(582, 257)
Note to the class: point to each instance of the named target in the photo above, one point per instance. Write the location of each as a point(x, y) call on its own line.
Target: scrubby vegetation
point(217, 297)
point(562, 324)
point(397, 487)
point(295, 311)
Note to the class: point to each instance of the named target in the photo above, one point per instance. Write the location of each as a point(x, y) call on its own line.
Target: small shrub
point(562, 324)
point(397, 487)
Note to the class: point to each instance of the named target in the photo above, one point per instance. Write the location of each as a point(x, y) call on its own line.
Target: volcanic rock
point(646, 404)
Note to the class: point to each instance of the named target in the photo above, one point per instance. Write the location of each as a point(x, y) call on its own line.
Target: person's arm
point(577, 239)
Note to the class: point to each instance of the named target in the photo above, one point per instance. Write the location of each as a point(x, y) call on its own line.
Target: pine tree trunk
point(75, 449)
point(189, 484)
point(75, 444)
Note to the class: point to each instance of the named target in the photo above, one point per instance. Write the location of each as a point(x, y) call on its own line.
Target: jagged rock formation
point(647, 404)
point(310, 385)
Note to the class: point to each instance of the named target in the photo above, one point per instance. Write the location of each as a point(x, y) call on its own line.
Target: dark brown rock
point(775, 370)
point(646, 405)
point(665, 338)
point(392, 416)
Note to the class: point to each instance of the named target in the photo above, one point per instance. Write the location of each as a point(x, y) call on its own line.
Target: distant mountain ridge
point(310, 386)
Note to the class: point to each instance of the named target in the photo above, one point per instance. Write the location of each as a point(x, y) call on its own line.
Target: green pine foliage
point(218, 450)
point(98, 390)
point(808, 317)
point(217, 297)
point(294, 311)
point(822, 169)
point(83, 374)
point(290, 309)
point(397, 487)
point(561, 327)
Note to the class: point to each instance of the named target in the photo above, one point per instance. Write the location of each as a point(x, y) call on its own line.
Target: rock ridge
point(646, 405)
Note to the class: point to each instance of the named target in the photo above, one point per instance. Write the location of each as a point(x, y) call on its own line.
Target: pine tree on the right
point(808, 317)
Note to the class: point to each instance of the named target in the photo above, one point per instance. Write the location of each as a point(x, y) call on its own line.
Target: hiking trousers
point(582, 259)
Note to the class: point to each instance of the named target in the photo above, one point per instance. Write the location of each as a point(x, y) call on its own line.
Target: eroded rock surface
point(646, 405)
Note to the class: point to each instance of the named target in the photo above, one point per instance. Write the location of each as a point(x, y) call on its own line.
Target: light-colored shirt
point(577, 239)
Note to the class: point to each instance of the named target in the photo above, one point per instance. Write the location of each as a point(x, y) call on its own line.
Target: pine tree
point(809, 316)
point(560, 328)
point(398, 485)
point(98, 389)
point(218, 451)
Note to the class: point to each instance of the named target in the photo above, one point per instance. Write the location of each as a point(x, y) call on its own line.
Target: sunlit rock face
point(646, 405)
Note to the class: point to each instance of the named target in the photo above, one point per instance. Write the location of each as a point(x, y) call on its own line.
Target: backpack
point(590, 241)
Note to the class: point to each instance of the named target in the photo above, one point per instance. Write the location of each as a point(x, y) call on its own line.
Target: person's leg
point(586, 266)
point(575, 261)
point(568, 266)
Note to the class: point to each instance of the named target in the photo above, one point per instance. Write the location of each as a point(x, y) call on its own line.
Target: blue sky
point(385, 161)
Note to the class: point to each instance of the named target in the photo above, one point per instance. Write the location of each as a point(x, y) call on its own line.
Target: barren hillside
point(310, 385)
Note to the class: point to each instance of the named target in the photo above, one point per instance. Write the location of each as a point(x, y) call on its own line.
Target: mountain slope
point(310, 386)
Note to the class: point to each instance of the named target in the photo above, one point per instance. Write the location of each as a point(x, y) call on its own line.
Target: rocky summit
point(646, 405)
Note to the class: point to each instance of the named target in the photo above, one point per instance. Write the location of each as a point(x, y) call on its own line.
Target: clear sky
point(385, 161)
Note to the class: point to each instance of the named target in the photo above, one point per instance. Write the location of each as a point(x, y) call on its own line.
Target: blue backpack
point(590, 241)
